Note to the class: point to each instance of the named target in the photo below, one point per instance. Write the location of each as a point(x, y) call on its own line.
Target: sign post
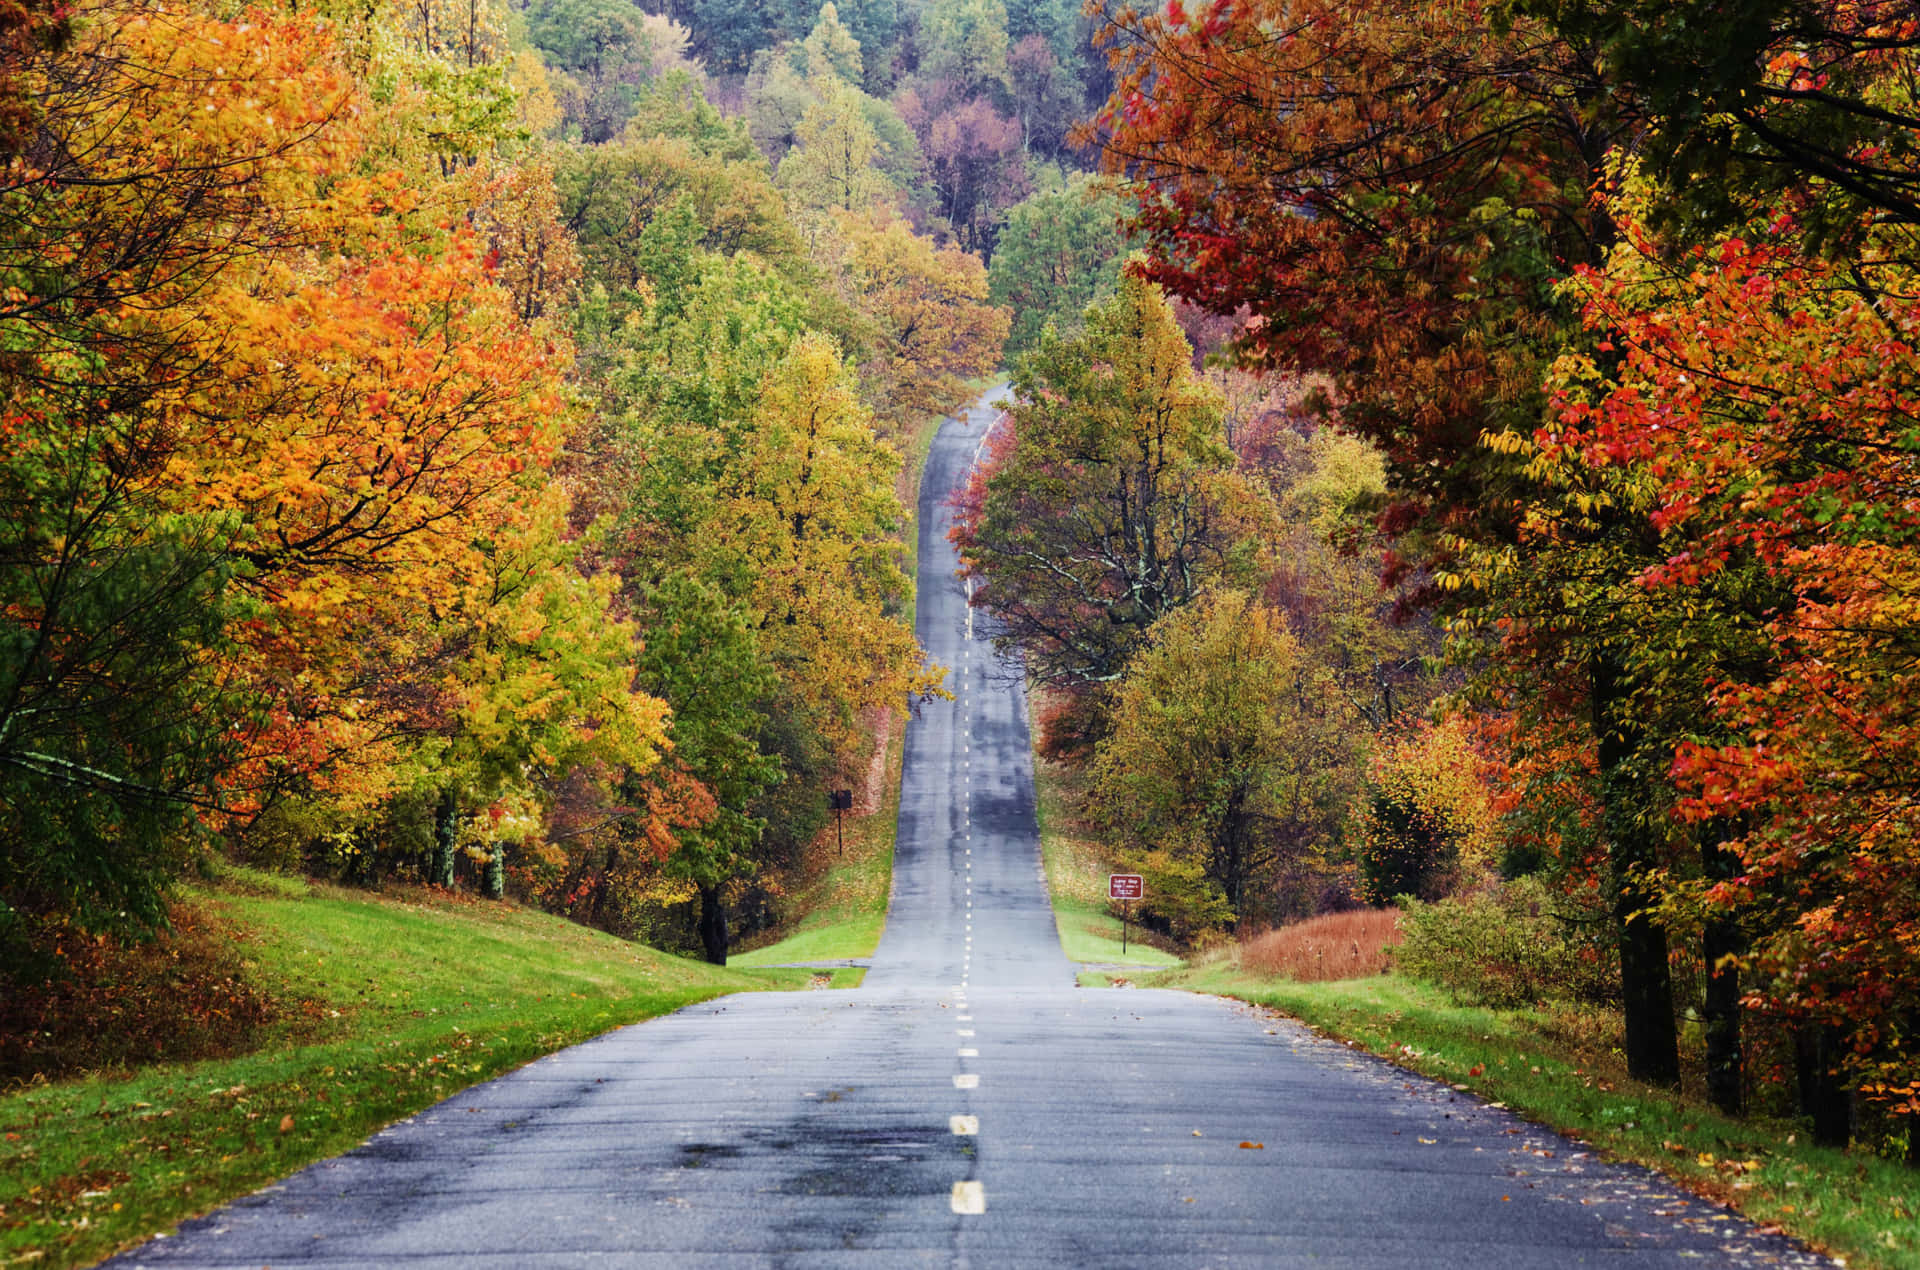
point(841, 801)
point(1125, 887)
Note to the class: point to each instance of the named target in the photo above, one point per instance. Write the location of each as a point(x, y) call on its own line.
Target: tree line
point(437, 449)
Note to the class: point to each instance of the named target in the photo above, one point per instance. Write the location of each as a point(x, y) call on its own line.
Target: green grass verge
point(844, 910)
point(1077, 881)
point(1561, 1067)
point(406, 1001)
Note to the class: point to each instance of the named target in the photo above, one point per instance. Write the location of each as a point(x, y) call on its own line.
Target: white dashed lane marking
point(964, 1126)
point(967, 1080)
point(969, 1198)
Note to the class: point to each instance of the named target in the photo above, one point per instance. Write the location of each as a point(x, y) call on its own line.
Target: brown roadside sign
point(1125, 886)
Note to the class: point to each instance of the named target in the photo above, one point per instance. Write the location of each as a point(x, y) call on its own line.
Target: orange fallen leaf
point(1253, 1146)
point(286, 1124)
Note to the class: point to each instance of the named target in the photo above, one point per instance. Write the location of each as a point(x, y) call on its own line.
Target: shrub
point(1182, 902)
point(1405, 849)
point(1506, 947)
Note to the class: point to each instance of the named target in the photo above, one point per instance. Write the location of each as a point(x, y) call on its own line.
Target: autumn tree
point(1808, 101)
point(704, 661)
point(831, 164)
point(540, 679)
point(303, 424)
point(1326, 559)
point(746, 459)
point(1401, 232)
point(805, 536)
point(122, 715)
point(1426, 820)
point(1060, 251)
point(1114, 501)
point(1761, 405)
point(933, 327)
point(974, 159)
point(1228, 753)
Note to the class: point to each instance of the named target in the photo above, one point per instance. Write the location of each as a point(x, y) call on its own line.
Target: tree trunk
point(1646, 981)
point(1817, 1051)
point(603, 889)
point(367, 860)
point(713, 925)
point(446, 827)
point(1721, 943)
point(493, 881)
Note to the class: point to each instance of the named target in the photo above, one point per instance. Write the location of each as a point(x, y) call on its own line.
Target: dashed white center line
point(963, 1031)
point(969, 1198)
point(969, 1053)
point(967, 1080)
point(964, 1018)
point(964, 1126)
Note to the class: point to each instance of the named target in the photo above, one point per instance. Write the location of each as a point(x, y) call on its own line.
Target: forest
point(1459, 459)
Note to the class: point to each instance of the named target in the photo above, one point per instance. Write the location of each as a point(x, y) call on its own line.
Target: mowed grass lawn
point(401, 1002)
point(1561, 1065)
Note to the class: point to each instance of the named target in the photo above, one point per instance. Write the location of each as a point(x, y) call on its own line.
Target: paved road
point(968, 1106)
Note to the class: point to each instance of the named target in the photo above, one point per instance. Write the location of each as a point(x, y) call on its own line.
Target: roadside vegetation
point(1077, 870)
point(1561, 1064)
point(841, 909)
point(359, 1009)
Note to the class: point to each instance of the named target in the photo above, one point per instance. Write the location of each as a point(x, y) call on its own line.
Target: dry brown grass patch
point(1348, 945)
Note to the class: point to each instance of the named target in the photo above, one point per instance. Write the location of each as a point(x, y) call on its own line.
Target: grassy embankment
point(389, 1004)
point(1077, 881)
point(1560, 1065)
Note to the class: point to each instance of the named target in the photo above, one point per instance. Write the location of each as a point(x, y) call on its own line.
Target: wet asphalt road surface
point(968, 1106)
